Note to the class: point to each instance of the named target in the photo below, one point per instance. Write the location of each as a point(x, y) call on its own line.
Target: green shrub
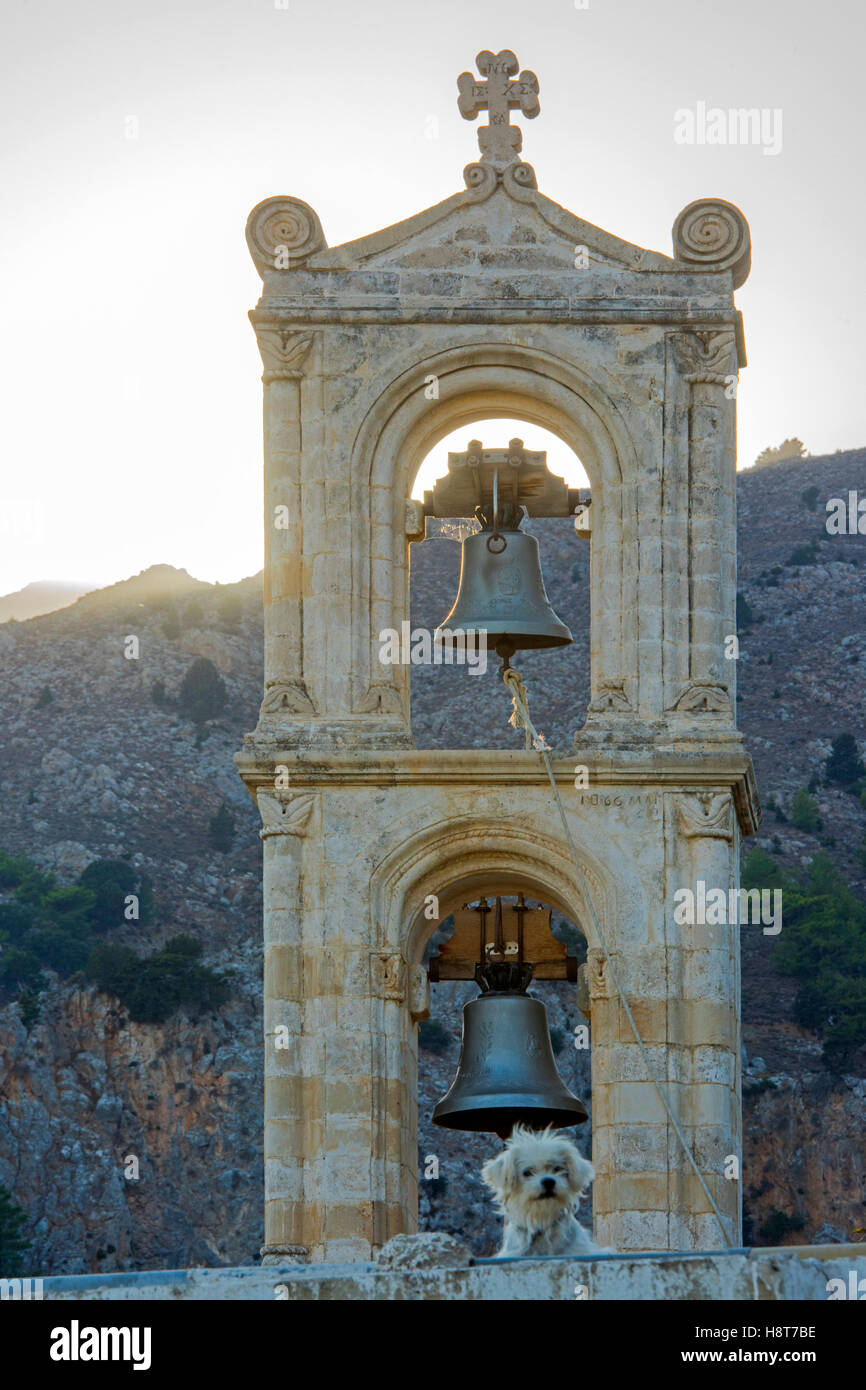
point(823, 947)
point(230, 610)
point(844, 765)
point(804, 811)
point(202, 692)
point(111, 882)
point(12, 1243)
point(558, 1039)
point(760, 870)
point(19, 968)
point(52, 926)
point(154, 987)
point(28, 1005)
point(45, 697)
point(221, 828)
point(745, 616)
point(432, 1036)
point(809, 497)
point(804, 555)
point(779, 1224)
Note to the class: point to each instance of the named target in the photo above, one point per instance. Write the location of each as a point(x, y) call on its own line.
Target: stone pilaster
point(290, 1120)
point(705, 961)
point(284, 353)
point(708, 364)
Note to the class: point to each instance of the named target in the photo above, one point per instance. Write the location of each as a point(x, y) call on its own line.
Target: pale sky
point(131, 419)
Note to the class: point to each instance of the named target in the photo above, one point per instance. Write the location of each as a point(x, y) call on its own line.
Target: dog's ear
point(493, 1172)
point(499, 1173)
point(580, 1170)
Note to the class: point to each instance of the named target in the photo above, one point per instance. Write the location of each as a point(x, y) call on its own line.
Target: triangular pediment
point(530, 234)
point(499, 240)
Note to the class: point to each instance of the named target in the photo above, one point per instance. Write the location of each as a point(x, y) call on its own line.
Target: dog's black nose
point(548, 1184)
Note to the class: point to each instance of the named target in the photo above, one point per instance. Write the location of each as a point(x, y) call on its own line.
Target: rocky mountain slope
point(97, 769)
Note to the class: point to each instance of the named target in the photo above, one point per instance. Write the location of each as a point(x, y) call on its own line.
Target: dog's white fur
point(539, 1179)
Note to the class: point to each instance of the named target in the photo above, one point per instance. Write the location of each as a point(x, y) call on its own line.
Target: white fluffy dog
point(539, 1179)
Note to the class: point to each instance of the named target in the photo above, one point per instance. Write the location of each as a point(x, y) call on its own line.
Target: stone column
point(291, 1127)
point(705, 1025)
point(284, 353)
point(708, 363)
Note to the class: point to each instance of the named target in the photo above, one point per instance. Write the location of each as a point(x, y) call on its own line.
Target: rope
point(520, 719)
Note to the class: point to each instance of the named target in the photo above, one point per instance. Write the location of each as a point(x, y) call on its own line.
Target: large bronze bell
point(502, 589)
point(506, 1074)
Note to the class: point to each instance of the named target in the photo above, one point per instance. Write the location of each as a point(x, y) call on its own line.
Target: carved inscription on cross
point(499, 142)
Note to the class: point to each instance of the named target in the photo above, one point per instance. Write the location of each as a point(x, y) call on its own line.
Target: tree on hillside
point(788, 449)
point(230, 610)
point(222, 829)
point(112, 881)
point(823, 946)
point(12, 1244)
point(804, 811)
point(844, 765)
point(202, 692)
point(153, 987)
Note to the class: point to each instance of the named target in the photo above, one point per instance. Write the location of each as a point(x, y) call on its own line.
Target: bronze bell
point(506, 1074)
point(502, 588)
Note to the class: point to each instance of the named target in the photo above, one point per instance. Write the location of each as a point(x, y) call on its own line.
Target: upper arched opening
point(449, 706)
point(496, 431)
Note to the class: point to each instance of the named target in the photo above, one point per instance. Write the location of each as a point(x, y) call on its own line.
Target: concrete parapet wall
point(791, 1273)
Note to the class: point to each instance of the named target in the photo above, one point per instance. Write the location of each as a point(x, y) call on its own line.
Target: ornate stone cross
point(499, 142)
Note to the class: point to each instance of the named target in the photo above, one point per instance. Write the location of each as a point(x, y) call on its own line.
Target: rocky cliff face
point(100, 770)
point(130, 1145)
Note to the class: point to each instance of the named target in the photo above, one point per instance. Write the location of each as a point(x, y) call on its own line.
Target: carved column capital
point(388, 974)
point(708, 357)
point(703, 697)
point(705, 815)
point(289, 696)
point(597, 977)
point(284, 814)
point(284, 352)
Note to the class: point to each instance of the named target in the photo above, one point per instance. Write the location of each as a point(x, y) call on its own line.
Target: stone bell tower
point(497, 301)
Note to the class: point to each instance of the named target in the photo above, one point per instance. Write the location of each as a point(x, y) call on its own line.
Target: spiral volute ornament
point(283, 232)
point(713, 235)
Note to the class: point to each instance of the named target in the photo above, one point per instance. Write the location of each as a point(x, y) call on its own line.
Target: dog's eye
point(556, 1170)
point(527, 1172)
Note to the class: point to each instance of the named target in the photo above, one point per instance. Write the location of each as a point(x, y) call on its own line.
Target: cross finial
point(500, 142)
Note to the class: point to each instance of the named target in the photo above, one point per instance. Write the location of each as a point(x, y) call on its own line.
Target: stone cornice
point(685, 314)
point(689, 768)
